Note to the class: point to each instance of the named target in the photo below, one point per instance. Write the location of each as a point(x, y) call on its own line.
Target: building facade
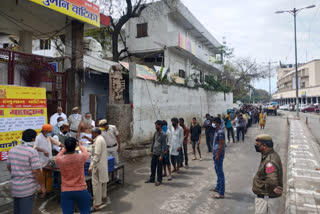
point(308, 83)
point(168, 34)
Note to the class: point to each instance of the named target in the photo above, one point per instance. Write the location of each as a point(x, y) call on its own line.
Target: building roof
point(292, 70)
point(197, 26)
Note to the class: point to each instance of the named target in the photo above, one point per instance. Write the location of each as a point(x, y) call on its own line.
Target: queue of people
point(169, 152)
point(169, 148)
point(66, 144)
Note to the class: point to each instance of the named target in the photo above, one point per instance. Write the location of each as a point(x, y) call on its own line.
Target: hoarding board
point(21, 108)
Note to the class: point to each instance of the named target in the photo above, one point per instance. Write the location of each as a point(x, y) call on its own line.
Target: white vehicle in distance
point(284, 107)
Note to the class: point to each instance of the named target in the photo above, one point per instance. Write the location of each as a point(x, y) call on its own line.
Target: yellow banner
point(78, 9)
point(21, 108)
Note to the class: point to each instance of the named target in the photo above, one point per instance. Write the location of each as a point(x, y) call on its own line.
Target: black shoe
point(158, 183)
point(119, 181)
point(148, 181)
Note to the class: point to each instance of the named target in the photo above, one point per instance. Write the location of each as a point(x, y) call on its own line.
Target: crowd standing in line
point(61, 137)
point(169, 147)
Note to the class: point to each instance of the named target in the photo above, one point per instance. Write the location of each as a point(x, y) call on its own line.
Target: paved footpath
point(303, 186)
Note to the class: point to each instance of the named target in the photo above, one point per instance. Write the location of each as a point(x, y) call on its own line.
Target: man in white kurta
point(99, 169)
point(55, 116)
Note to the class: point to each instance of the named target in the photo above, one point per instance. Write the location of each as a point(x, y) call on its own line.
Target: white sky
point(253, 29)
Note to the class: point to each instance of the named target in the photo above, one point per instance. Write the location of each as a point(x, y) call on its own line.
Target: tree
point(120, 12)
point(260, 95)
point(239, 74)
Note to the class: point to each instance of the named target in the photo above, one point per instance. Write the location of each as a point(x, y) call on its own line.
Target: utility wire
point(82, 52)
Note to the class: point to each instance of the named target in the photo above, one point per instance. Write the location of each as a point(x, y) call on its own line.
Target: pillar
point(74, 35)
point(132, 76)
point(25, 41)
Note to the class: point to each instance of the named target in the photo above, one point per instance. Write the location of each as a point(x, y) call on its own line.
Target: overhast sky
point(254, 30)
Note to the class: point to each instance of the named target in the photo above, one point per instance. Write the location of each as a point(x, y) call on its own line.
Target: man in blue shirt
point(218, 150)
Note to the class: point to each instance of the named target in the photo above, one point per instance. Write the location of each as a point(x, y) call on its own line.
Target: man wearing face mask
point(56, 128)
point(64, 132)
point(218, 150)
point(43, 144)
point(268, 181)
point(24, 166)
point(74, 121)
point(175, 143)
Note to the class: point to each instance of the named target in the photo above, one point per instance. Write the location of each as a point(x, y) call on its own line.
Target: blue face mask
point(48, 135)
point(165, 128)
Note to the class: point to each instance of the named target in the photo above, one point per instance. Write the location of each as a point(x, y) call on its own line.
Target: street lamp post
point(295, 12)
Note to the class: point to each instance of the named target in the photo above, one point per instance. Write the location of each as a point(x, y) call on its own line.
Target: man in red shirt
point(185, 144)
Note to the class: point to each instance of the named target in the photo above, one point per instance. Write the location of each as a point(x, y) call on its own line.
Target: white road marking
point(43, 205)
point(4, 183)
point(312, 206)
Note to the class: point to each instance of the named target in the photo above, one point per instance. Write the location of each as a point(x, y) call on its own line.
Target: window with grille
point(201, 77)
point(45, 44)
point(142, 30)
point(182, 73)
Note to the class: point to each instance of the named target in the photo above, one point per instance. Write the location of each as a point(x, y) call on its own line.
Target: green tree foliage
point(216, 85)
point(260, 96)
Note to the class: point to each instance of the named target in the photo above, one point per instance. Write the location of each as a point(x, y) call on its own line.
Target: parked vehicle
point(284, 107)
point(308, 109)
point(302, 106)
point(292, 107)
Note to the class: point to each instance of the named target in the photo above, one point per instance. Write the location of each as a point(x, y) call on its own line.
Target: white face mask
point(60, 123)
point(213, 125)
point(28, 143)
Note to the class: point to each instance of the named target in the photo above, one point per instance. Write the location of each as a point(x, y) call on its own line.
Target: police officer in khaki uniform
point(267, 183)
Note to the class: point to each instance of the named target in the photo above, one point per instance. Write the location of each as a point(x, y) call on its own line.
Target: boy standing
point(195, 135)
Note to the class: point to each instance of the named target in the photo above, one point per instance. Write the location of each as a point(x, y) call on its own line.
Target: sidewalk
point(303, 181)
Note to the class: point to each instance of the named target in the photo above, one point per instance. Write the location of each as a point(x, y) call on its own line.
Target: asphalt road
point(312, 120)
point(189, 191)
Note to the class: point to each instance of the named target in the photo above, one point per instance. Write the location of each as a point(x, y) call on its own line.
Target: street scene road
point(99, 97)
point(190, 191)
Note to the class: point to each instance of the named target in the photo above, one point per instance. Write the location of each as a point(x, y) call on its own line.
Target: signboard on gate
point(21, 108)
point(78, 9)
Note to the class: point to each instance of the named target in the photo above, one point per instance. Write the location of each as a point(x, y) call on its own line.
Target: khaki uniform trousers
point(99, 189)
point(267, 205)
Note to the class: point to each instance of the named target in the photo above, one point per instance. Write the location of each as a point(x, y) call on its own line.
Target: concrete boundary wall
point(303, 181)
point(153, 101)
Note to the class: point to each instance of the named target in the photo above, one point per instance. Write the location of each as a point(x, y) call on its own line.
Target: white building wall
point(152, 101)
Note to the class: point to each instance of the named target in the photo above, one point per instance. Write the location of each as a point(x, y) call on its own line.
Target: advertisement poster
point(79, 9)
point(21, 108)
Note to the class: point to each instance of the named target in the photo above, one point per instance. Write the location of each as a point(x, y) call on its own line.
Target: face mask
point(213, 125)
point(165, 128)
point(27, 143)
point(48, 135)
point(60, 123)
point(65, 132)
point(257, 148)
point(102, 129)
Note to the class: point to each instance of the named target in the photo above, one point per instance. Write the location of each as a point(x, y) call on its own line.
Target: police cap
point(265, 139)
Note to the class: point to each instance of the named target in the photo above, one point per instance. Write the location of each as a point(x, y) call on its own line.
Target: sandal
point(218, 196)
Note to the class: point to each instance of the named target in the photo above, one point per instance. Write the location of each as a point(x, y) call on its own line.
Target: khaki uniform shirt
point(269, 175)
point(74, 122)
point(99, 159)
point(110, 136)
